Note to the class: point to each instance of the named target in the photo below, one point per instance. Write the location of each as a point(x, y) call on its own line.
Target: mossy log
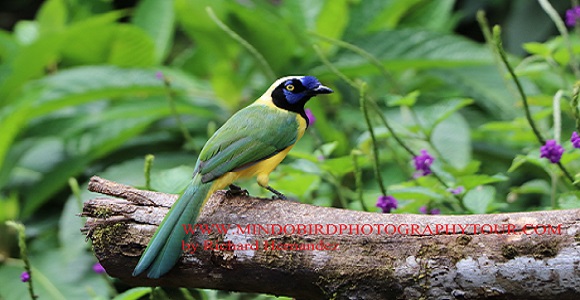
point(286, 248)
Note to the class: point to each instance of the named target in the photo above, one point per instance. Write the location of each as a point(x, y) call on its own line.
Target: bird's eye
point(290, 87)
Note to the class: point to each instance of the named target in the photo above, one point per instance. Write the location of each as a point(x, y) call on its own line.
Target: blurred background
point(90, 87)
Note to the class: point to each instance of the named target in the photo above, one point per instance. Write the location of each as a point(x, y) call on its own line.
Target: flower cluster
point(98, 268)
point(386, 203)
point(310, 116)
point(25, 276)
point(572, 15)
point(552, 151)
point(423, 163)
point(575, 139)
point(434, 211)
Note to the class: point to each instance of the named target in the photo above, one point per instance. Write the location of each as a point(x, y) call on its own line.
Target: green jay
point(251, 143)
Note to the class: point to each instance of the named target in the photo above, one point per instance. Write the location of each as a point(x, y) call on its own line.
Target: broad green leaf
point(533, 157)
point(477, 200)
point(406, 100)
point(537, 49)
point(55, 276)
point(403, 49)
point(484, 85)
point(73, 244)
point(52, 16)
point(84, 84)
point(13, 119)
point(363, 14)
point(132, 47)
point(391, 15)
point(471, 181)
point(134, 293)
point(434, 15)
point(90, 145)
point(89, 41)
point(172, 180)
point(332, 19)
point(8, 47)
point(535, 186)
point(569, 200)
point(416, 193)
point(30, 63)
point(156, 18)
point(452, 139)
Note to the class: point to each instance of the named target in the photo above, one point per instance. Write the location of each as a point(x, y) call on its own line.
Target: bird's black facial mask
point(293, 93)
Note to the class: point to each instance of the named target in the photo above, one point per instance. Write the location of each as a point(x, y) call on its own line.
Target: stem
point(557, 116)
point(376, 161)
point(147, 170)
point(24, 253)
point(503, 56)
point(574, 105)
point(358, 179)
point(360, 51)
point(553, 14)
point(174, 112)
point(257, 55)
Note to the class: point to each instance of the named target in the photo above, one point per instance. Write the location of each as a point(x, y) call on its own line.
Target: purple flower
point(320, 158)
point(575, 139)
point(434, 211)
point(572, 15)
point(310, 116)
point(159, 75)
point(456, 191)
point(386, 203)
point(423, 163)
point(552, 151)
point(98, 268)
point(25, 276)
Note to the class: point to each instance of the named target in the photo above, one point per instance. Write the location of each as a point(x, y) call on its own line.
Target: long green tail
point(164, 249)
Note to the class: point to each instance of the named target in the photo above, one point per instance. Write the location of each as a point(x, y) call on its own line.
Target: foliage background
point(79, 96)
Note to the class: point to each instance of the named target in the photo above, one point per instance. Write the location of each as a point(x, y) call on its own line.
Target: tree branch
point(413, 256)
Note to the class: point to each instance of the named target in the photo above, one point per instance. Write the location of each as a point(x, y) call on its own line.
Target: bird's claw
point(235, 190)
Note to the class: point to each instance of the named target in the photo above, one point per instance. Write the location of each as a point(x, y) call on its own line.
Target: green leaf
point(452, 139)
point(134, 293)
point(157, 19)
point(407, 100)
point(416, 193)
point(569, 200)
point(483, 84)
point(477, 200)
point(89, 41)
point(132, 47)
point(402, 49)
point(471, 181)
point(55, 276)
point(332, 19)
point(92, 144)
point(52, 16)
point(535, 186)
point(537, 48)
point(172, 180)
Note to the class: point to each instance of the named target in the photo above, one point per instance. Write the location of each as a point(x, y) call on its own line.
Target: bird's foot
point(235, 190)
point(277, 195)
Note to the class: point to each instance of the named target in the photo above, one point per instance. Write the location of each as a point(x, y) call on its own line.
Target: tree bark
point(285, 248)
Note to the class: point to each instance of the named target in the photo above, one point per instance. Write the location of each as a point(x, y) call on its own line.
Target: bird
point(251, 143)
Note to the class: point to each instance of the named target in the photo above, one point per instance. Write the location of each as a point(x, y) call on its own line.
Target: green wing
point(255, 133)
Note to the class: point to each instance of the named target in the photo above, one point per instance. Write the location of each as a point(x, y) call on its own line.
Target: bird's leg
point(235, 190)
point(278, 194)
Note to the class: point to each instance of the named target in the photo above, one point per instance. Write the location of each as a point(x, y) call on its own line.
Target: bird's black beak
point(321, 89)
